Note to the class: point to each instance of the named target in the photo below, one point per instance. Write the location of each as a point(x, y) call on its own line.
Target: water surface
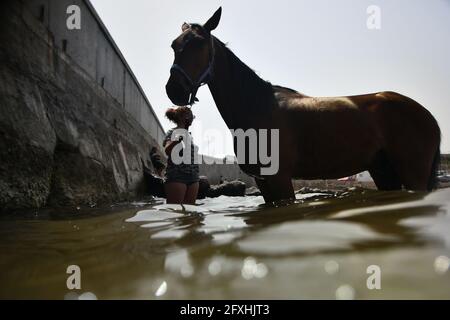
point(234, 248)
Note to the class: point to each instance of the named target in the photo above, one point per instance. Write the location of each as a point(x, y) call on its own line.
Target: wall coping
point(121, 57)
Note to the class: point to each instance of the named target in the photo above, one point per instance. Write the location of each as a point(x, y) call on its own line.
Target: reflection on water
point(233, 248)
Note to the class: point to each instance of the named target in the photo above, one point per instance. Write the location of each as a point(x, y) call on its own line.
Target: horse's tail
point(433, 180)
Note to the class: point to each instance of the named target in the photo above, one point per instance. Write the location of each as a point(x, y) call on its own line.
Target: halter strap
point(204, 78)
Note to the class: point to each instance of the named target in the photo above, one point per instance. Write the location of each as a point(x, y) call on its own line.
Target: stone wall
point(93, 49)
point(71, 133)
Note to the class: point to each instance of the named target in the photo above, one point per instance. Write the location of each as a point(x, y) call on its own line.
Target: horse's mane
point(255, 94)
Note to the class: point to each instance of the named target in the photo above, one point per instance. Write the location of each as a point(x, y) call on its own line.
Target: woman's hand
point(171, 144)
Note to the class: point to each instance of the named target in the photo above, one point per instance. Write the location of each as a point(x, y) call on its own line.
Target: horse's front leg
point(276, 188)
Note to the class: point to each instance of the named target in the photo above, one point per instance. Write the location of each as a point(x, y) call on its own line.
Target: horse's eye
point(194, 43)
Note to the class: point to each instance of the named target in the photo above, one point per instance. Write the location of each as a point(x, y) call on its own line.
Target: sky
point(319, 48)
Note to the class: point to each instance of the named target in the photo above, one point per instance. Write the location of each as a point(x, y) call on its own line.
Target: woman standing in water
point(181, 179)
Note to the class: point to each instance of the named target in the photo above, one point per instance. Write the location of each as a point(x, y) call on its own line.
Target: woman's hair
point(175, 114)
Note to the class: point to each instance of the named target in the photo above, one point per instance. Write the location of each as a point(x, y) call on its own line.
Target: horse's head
point(194, 58)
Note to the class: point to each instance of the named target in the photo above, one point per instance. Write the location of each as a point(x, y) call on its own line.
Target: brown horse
point(393, 137)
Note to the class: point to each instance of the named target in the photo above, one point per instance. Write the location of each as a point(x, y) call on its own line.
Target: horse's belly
point(328, 174)
point(335, 162)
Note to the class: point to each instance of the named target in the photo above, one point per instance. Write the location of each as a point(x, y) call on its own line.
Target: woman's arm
point(170, 145)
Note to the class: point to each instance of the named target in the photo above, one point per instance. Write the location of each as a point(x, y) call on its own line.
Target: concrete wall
point(227, 171)
point(94, 50)
point(75, 127)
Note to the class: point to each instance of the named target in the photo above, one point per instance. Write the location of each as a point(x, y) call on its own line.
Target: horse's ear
point(213, 22)
point(185, 26)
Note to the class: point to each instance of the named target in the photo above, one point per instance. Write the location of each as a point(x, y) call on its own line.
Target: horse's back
point(387, 109)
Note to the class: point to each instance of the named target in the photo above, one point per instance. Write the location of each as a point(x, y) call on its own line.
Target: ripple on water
point(308, 236)
point(154, 215)
point(215, 217)
point(231, 204)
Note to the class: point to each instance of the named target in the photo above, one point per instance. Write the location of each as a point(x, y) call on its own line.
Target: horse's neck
point(234, 102)
point(221, 86)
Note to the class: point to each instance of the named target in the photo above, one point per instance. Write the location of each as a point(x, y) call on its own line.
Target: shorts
point(176, 174)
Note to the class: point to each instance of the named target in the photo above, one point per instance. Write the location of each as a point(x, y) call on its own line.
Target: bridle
point(205, 77)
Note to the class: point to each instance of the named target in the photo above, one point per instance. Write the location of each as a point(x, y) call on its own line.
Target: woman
point(181, 180)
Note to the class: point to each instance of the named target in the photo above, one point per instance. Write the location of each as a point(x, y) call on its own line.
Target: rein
point(205, 77)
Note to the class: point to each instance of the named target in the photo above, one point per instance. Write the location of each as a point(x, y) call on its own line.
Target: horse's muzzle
point(177, 93)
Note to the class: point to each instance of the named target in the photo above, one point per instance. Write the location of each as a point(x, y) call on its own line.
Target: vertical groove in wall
point(94, 50)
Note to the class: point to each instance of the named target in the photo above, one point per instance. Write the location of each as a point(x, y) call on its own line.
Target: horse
point(392, 136)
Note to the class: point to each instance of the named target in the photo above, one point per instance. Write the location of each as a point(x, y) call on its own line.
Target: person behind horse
point(157, 162)
point(181, 179)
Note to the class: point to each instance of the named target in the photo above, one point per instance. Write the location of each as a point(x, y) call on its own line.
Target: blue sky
point(320, 48)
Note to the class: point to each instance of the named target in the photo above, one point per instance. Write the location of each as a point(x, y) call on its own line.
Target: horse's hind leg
point(414, 172)
point(413, 166)
point(384, 174)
